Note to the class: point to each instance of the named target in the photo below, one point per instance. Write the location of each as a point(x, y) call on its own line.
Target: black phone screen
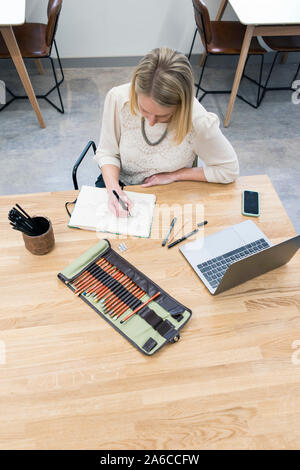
point(251, 205)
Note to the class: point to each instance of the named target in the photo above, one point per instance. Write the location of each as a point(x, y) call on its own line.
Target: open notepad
point(91, 212)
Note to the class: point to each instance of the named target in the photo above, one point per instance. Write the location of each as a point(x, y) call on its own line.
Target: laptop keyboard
point(214, 269)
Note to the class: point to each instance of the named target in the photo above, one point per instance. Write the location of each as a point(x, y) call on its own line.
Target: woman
point(154, 128)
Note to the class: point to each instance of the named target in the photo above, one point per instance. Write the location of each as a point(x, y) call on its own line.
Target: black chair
point(281, 44)
point(35, 41)
point(222, 38)
point(90, 144)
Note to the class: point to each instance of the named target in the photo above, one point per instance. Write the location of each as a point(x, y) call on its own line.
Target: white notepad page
point(91, 212)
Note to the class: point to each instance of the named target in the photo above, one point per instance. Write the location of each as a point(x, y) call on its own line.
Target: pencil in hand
point(122, 203)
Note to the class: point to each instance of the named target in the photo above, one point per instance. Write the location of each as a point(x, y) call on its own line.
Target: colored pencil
point(140, 307)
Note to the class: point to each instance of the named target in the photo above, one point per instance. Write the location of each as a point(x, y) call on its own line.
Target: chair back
point(202, 21)
point(53, 11)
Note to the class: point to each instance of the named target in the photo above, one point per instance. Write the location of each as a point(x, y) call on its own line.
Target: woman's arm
point(184, 174)
point(214, 149)
point(111, 176)
point(108, 154)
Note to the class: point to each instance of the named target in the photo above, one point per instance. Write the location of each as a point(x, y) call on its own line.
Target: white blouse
point(122, 144)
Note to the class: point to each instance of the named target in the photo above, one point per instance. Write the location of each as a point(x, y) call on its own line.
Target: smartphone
point(250, 203)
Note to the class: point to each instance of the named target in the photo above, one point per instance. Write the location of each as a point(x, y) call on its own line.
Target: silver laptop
point(235, 255)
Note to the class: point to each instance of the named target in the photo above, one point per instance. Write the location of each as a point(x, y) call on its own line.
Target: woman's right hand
point(114, 205)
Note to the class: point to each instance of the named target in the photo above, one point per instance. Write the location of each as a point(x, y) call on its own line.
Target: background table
point(12, 12)
point(71, 381)
point(262, 18)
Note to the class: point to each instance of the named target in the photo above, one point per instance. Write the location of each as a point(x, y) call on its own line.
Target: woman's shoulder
point(203, 120)
point(119, 94)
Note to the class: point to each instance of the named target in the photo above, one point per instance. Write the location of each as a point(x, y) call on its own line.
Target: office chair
point(281, 44)
point(90, 144)
point(35, 41)
point(223, 38)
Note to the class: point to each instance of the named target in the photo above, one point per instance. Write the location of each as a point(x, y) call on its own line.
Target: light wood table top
point(70, 381)
point(266, 11)
point(12, 12)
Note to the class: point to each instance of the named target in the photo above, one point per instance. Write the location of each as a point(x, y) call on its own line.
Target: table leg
point(221, 10)
point(220, 13)
point(284, 58)
point(12, 46)
point(202, 58)
point(40, 68)
point(239, 71)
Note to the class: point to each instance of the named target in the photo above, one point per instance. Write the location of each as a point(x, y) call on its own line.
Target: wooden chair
point(221, 38)
point(35, 41)
point(280, 44)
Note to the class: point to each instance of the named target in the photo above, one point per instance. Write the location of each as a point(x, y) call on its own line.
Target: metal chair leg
point(193, 41)
point(91, 143)
point(268, 77)
point(45, 96)
point(215, 92)
point(258, 83)
point(200, 80)
point(57, 84)
point(259, 100)
point(60, 66)
point(290, 87)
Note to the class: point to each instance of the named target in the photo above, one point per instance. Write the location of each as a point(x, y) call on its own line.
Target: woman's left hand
point(159, 178)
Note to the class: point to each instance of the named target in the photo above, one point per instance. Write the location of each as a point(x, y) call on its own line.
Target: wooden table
point(12, 12)
point(70, 381)
point(262, 18)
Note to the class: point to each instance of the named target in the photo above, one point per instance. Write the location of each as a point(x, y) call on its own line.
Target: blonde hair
point(167, 77)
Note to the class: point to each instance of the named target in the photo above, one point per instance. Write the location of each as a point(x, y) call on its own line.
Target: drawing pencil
point(140, 307)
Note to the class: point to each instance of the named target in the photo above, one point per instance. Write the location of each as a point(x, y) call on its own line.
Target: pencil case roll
point(149, 329)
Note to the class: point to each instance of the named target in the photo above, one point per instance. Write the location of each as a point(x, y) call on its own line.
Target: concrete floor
point(267, 139)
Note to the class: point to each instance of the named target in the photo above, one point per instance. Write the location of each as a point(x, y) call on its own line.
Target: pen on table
point(202, 223)
point(176, 233)
point(169, 231)
point(188, 235)
point(121, 202)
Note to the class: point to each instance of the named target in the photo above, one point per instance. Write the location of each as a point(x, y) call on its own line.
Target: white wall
point(113, 28)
